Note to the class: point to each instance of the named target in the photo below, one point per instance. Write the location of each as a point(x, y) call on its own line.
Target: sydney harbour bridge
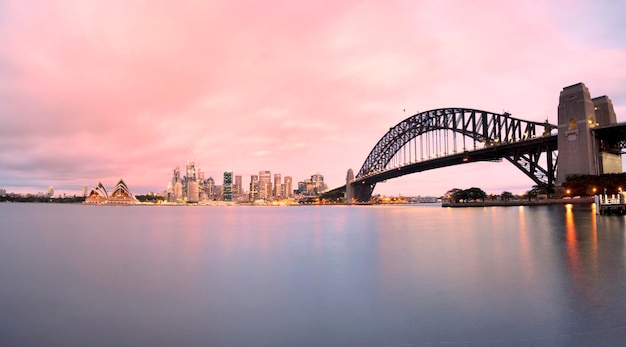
point(588, 136)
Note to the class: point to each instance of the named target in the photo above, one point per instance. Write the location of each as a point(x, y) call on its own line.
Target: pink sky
point(101, 90)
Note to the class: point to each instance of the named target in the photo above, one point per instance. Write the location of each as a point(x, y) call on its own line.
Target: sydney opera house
point(121, 195)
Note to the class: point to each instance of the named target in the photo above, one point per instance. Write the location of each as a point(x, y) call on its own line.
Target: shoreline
point(580, 201)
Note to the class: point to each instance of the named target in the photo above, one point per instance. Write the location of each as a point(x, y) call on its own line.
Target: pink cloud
point(132, 90)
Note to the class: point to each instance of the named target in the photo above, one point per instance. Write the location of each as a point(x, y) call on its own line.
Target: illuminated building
point(192, 192)
point(178, 191)
point(121, 195)
point(265, 185)
point(254, 187)
point(277, 186)
point(237, 188)
point(288, 188)
point(228, 186)
point(97, 195)
point(209, 188)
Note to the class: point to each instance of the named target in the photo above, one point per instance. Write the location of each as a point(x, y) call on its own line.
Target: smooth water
point(75, 275)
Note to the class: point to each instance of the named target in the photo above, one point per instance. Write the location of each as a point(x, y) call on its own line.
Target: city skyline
point(99, 91)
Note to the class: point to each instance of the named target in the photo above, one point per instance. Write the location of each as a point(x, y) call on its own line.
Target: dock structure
point(611, 204)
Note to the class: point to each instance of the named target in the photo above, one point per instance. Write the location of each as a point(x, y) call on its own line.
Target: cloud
point(107, 89)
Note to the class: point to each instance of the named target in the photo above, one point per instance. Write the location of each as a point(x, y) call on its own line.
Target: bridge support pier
point(362, 191)
point(580, 152)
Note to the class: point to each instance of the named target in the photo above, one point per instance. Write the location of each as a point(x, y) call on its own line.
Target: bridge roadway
point(490, 153)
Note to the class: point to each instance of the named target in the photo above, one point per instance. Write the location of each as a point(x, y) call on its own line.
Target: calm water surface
point(73, 275)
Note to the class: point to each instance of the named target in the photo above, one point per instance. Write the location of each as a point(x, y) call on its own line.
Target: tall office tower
point(176, 177)
point(288, 188)
point(190, 177)
point(265, 184)
point(193, 195)
point(302, 187)
point(254, 187)
point(209, 188)
point(84, 191)
point(169, 192)
point(178, 191)
point(201, 182)
point(277, 186)
point(191, 171)
point(228, 186)
point(317, 181)
point(237, 187)
point(50, 191)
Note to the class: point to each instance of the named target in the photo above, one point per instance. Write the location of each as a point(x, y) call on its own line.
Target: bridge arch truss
point(446, 132)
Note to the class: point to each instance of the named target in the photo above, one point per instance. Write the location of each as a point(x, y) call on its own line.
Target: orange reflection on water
point(573, 255)
point(524, 244)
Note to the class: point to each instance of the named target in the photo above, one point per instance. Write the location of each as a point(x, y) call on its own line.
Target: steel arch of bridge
point(487, 128)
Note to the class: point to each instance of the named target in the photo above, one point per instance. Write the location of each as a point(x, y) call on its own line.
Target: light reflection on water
point(310, 276)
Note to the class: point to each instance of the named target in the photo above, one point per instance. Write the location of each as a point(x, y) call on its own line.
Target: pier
point(611, 204)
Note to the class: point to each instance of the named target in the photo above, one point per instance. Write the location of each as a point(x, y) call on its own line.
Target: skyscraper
point(228, 186)
point(288, 188)
point(237, 188)
point(254, 187)
point(193, 195)
point(277, 186)
point(209, 188)
point(191, 192)
point(265, 184)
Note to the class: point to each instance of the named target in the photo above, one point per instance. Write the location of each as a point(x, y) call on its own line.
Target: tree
point(475, 194)
point(506, 196)
point(452, 194)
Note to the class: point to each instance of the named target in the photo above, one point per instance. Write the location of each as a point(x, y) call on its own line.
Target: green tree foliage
point(506, 196)
point(466, 195)
point(149, 198)
point(583, 185)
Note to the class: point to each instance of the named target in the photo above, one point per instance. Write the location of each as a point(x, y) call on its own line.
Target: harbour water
point(75, 275)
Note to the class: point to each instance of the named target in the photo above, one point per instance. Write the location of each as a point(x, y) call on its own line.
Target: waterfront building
point(288, 187)
point(265, 184)
point(178, 191)
point(301, 187)
point(175, 187)
point(277, 186)
point(97, 195)
point(189, 178)
point(193, 194)
point(209, 188)
point(313, 186)
point(50, 192)
point(84, 191)
point(254, 187)
point(237, 188)
point(121, 195)
point(228, 186)
point(201, 182)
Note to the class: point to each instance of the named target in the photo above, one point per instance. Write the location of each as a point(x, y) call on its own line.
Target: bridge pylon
point(581, 152)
